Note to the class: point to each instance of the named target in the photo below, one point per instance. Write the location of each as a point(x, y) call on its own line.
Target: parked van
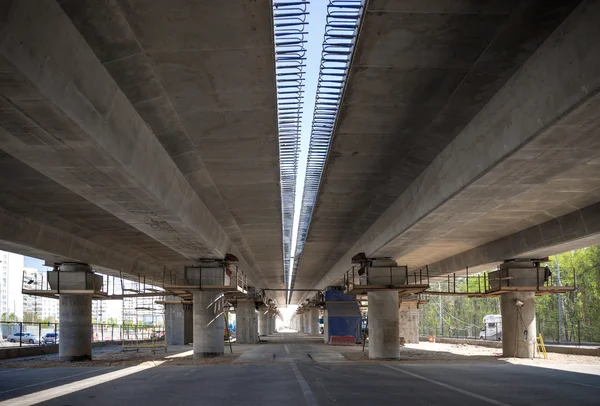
point(492, 327)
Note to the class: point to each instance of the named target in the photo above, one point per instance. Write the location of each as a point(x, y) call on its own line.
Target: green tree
point(9, 317)
point(580, 308)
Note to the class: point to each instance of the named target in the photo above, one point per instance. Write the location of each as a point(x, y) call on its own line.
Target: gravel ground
point(114, 356)
point(424, 352)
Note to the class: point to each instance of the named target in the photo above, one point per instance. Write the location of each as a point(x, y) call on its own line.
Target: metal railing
point(30, 334)
point(497, 281)
point(390, 276)
point(221, 276)
point(289, 23)
point(574, 332)
point(50, 282)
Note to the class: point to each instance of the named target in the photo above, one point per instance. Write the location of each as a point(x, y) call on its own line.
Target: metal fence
point(449, 332)
point(573, 331)
point(22, 334)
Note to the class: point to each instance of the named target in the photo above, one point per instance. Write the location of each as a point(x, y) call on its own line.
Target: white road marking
point(309, 397)
point(51, 380)
point(191, 372)
point(287, 350)
point(583, 384)
point(68, 388)
point(11, 370)
point(445, 385)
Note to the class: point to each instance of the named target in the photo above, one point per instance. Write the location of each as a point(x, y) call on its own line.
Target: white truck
point(492, 329)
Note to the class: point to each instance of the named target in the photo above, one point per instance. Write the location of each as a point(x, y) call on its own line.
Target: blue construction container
point(343, 314)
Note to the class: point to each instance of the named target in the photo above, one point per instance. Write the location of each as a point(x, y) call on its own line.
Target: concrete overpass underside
point(144, 130)
point(461, 125)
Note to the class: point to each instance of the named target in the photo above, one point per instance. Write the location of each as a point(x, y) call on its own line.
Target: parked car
point(23, 337)
point(50, 338)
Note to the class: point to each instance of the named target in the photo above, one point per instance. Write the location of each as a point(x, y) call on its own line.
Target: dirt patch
point(464, 353)
point(181, 355)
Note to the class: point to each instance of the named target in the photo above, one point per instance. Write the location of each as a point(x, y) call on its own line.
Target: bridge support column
point(75, 342)
point(263, 322)
point(518, 324)
point(305, 323)
point(408, 322)
point(178, 323)
point(208, 327)
point(273, 318)
point(246, 321)
point(383, 325)
point(313, 321)
point(326, 326)
point(270, 327)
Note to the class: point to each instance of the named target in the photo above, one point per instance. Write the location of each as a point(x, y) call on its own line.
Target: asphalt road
point(309, 384)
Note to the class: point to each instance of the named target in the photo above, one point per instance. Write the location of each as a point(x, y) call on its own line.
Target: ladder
point(540, 347)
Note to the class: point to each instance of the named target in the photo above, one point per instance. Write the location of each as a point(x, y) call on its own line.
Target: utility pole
point(440, 312)
point(560, 326)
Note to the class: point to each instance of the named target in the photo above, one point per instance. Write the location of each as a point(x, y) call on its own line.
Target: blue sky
point(314, 46)
point(34, 263)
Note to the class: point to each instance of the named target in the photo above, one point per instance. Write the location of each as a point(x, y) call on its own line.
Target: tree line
point(462, 316)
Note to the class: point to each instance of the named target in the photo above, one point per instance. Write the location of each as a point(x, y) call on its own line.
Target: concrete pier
point(263, 322)
point(179, 319)
point(383, 325)
point(75, 342)
point(408, 322)
point(325, 326)
point(313, 321)
point(518, 324)
point(246, 323)
point(208, 327)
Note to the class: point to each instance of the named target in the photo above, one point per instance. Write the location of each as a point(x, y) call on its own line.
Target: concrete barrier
point(343, 340)
point(32, 351)
point(566, 349)
point(16, 352)
point(573, 350)
point(482, 343)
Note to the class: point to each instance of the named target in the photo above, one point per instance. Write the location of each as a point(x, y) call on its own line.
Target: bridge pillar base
point(313, 321)
point(245, 322)
point(518, 324)
point(75, 338)
point(383, 325)
point(408, 322)
point(209, 327)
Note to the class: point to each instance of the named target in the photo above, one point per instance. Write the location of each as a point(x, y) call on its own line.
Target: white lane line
point(42, 396)
point(11, 370)
point(189, 373)
point(583, 384)
point(287, 350)
point(309, 397)
point(52, 380)
point(445, 385)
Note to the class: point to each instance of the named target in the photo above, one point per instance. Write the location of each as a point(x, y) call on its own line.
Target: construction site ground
point(296, 369)
point(297, 347)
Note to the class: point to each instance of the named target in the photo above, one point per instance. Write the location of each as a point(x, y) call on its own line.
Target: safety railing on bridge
point(538, 280)
point(53, 283)
point(359, 280)
point(222, 278)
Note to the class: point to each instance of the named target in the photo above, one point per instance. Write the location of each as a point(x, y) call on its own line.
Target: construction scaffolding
point(143, 315)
